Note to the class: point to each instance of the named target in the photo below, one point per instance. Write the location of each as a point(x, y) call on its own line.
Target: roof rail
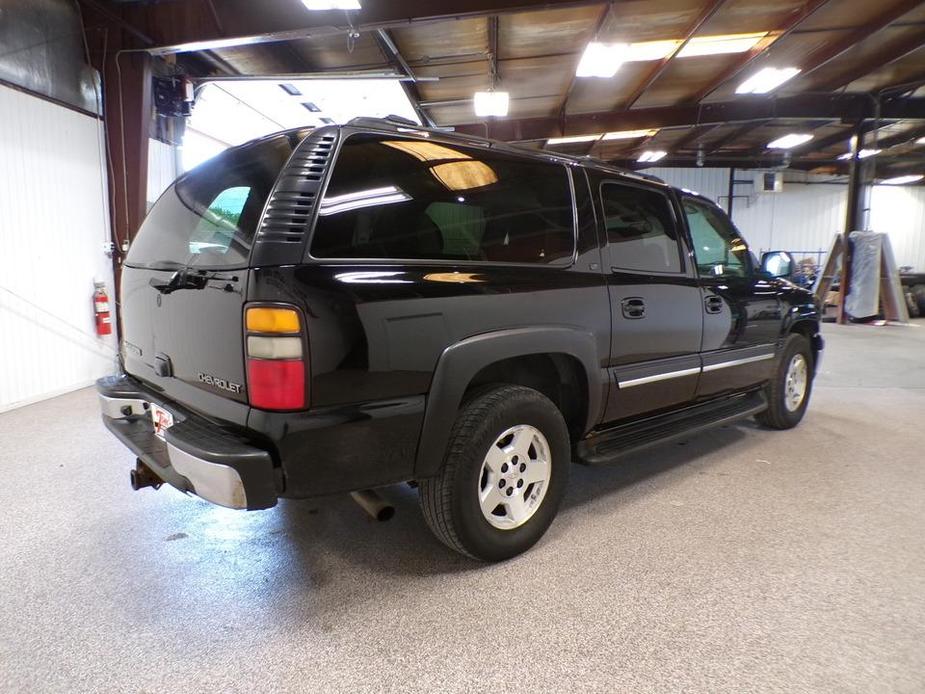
point(393, 122)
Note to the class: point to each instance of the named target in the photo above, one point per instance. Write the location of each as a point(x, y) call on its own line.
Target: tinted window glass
point(394, 198)
point(640, 229)
point(208, 217)
point(718, 248)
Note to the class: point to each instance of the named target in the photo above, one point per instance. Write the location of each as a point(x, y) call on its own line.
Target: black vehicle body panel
point(394, 345)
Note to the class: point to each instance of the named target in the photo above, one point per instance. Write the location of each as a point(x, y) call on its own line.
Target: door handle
point(633, 307)
point(713, 304)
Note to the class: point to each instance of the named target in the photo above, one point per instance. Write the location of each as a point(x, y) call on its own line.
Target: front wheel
point(505, 472)
point(789, 388)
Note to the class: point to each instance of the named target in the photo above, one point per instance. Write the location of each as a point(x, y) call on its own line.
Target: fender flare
point(460, 362)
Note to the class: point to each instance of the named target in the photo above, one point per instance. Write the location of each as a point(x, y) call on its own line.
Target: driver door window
point(718, 248)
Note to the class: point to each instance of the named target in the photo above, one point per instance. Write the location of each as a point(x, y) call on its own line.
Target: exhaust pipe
point(374, 505)
point(142, 477)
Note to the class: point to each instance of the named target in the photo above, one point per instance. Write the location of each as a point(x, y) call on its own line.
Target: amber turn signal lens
point(272, 320)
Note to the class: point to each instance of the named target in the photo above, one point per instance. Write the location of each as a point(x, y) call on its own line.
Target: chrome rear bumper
point(195, 455)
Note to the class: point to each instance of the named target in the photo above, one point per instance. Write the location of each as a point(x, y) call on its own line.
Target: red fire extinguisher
point(101, 309)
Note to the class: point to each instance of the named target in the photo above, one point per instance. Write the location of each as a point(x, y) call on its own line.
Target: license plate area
point(162, 420)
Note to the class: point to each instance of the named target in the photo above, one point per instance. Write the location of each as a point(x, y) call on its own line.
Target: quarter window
point(718, 248)
point(416, 199)
point(640, 227)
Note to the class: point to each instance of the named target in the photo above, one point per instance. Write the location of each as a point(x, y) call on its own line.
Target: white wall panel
point(162, 169)
point(53, 223)
point(804, 217)
point(809, 211)
point(899, 211)
point(711, 183)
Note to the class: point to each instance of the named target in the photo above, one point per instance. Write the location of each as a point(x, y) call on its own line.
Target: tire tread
point(436, 492)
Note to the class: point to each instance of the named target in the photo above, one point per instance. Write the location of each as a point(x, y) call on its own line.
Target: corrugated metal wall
point(807, 214)
point(900, 212)
point(162, 169)
point(711, 183)
point(53, 222)
point(804, 217)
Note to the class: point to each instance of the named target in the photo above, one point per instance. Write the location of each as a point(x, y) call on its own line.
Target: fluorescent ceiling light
point(725, 43)
point(767, 80)
point(651, 50)
point(863, 154)
point(652, 156)
point(615, 135)
point(901, 180)
point(332, 4)
point(491, 103)
point(790, 141)
point(572, 140)
point(629, 134)
point(602, 59)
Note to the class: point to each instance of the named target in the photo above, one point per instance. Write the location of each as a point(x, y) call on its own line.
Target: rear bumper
point(196, 456)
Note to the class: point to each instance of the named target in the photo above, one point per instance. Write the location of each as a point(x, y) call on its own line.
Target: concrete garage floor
point(741, 560)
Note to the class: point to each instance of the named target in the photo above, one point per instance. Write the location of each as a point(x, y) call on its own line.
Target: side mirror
point(777, 264)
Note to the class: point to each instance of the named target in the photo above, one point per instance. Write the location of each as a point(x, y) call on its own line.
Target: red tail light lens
point(276, 384)
point(276, 358)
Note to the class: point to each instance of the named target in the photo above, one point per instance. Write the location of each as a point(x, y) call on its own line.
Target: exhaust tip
point(377, 507)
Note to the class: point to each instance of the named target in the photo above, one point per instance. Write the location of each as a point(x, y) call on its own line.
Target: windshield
point(208, 218)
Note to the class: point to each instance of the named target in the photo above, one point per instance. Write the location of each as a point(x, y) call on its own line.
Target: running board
point(610, 444)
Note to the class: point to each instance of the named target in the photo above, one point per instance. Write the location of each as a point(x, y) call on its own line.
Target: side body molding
point(460, 362)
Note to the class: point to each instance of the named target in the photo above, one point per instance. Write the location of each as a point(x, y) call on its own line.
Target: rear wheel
point(505, 472)
point(789, 389)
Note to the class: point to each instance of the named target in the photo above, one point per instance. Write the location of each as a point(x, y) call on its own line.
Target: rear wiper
point(183, 279)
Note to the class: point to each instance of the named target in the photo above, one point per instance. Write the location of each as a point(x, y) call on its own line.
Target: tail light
point(276, 358)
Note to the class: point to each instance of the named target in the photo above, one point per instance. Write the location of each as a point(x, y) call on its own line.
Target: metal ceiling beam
point(693, 135)
point(736, 134)
point(493, 31)
point(754, 55)
point(901, 138)
point(381, 15)
point(563, 107)
point(652, 77)
point(830, 52)
point(390, 50)
point(851, 107)
point(890, 54)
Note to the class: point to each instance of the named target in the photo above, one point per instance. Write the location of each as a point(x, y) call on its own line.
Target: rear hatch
point(184, 281)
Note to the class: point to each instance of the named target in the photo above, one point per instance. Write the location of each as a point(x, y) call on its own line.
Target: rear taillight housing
point(277, 357)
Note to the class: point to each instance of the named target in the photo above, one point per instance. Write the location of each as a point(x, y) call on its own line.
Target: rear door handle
point(633, 307)
point(713, 304)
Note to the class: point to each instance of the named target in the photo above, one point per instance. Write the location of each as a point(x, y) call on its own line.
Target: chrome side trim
point(112, 407)
point(213, 482)
point(658, 377)
point(736, 362)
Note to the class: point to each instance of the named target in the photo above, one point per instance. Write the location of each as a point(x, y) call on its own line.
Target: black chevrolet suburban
point(348, 307)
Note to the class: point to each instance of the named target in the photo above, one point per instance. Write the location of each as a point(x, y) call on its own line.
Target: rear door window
point(393, 198)
point(208, 217)
point(641, 231)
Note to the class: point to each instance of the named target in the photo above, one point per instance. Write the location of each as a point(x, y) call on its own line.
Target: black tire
point(778, 416)
point(450, 501)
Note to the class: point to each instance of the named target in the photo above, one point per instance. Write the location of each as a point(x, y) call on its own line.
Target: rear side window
point(641, 232)
point(414, 199)
point(208, 217)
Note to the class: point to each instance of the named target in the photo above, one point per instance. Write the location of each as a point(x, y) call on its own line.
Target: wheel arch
point(522, 356)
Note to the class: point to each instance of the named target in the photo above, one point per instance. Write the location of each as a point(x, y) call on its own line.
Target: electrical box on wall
point(769, 182)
